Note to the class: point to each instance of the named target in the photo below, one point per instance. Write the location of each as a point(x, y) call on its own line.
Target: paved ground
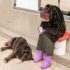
point(16, 64)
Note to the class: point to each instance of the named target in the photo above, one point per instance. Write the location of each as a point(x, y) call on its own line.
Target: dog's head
point(52, 12)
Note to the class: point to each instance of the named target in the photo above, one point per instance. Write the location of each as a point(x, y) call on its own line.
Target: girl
point(51, 29)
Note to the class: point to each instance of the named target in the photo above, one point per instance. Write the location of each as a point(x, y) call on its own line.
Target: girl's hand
point(41, 30)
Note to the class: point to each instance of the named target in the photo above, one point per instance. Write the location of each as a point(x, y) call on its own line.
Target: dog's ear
point(32, 58)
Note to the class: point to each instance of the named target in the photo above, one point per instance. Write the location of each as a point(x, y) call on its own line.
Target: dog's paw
point(6, 60)
point(1, 49)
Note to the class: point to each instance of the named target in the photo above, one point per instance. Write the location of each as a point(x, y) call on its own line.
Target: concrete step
point(65, 60)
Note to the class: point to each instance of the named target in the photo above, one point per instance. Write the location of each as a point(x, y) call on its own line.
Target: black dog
point(55, 27)
point(20, 48)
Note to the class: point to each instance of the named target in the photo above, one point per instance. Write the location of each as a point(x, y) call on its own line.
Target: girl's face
point(42, 19)
point(44, 15)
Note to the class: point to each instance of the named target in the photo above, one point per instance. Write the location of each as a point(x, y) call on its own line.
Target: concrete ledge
point(65, 60)
point(8, 34)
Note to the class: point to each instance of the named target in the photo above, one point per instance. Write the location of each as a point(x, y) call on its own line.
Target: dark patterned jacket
point(55, 27)
point(52, 31)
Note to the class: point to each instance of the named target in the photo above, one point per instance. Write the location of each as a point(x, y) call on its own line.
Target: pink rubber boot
point(39, 56)
point(47, 62)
